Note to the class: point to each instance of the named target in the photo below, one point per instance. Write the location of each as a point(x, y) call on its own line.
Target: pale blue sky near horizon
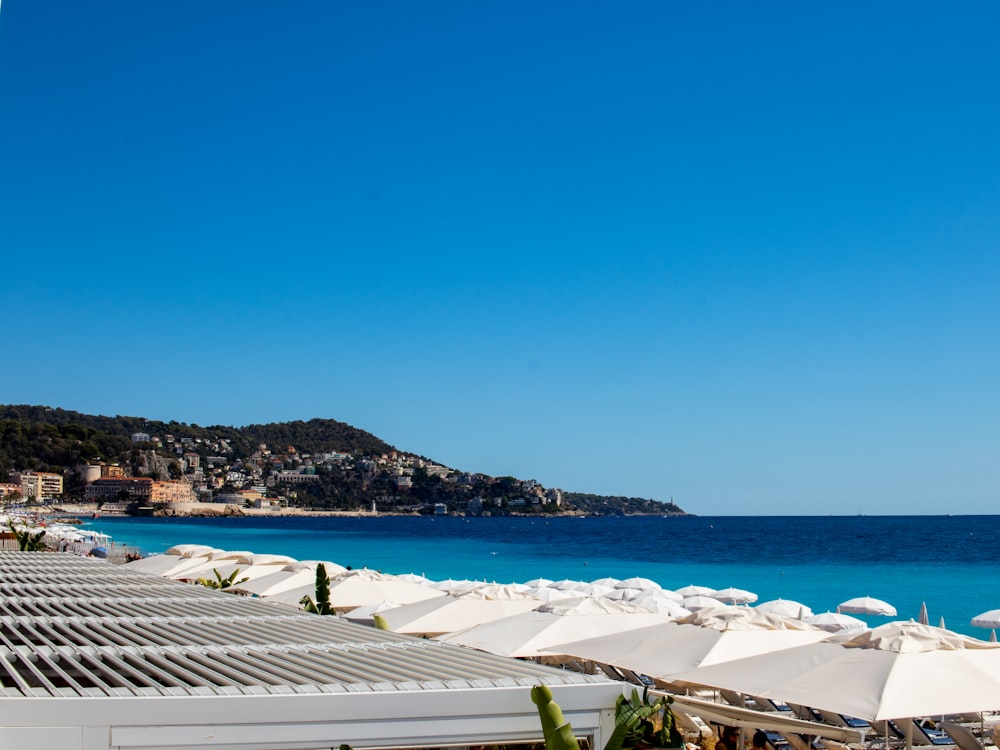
point(744, 256)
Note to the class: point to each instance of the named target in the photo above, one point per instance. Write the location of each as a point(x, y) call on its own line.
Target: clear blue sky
point(744, 255)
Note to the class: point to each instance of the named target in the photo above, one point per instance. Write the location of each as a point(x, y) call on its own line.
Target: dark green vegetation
point(352, 469)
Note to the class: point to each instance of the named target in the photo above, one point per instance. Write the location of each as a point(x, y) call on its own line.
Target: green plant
point(26, 540)
point(321, 605)
point(639, 724)
point(556, 730)
point(220, 582)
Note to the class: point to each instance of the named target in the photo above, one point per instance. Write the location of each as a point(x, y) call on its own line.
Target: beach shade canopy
point(356, 588)
point(547, 594)
point(453, 612)
point(607, 581)
point(665, 650)
point(528, 633)
point(204, 564)
point(169, 562)
point(246, 566)
point(190, 550)
point(922, 618)
point(694, 603)
point(625, 595)
point(415, 578)
point(365, 614)
point(867, 605)
point(636, 582)
point(662, 606)
point(539, 582)
point(101, 552)
point(734, 596)
point(453, 585)
point(989, 619)
point(290, 576)
point(785, 608)
point(835, 622)
point(693, 590)
point(896, 671)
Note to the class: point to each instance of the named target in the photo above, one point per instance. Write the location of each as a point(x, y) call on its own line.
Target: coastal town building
point(38, 484)
point(10, 490)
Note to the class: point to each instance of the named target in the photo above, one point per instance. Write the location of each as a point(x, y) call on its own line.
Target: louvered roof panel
point(72, 626)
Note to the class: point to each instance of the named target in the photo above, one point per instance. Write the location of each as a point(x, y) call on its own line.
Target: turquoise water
point(950, 562)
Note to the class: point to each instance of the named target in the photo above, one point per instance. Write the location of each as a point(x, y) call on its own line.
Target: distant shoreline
point(216, 510)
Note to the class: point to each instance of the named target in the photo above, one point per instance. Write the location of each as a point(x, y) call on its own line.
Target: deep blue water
point(950, 562)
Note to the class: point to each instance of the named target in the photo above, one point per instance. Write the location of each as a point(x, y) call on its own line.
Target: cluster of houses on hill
point(175, 471)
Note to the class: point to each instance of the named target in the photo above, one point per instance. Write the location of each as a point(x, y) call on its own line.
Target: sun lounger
point(961, 736)
point(804, 712)
point(928, 736)
point(840, 720)
point(767, 704)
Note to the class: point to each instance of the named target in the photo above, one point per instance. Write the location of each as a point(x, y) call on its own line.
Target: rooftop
point(93, 655)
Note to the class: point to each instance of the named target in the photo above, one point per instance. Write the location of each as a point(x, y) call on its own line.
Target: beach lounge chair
point(961, 736)
point(804, 712)
point(924, 735)
point(768, 704)
point(840, 720)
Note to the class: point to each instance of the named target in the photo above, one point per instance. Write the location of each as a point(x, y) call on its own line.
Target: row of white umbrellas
point(286, 580)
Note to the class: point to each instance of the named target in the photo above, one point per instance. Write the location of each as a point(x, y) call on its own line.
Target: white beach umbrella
point(646, 584)
point(734, 596)
point(453, 586)
point(625, 594)
point(365, 614)
point(248, 566)
point(569, 584)
point(415, 578)
point(190, 550)
point(166, 564)
point(923, 618)
point(539, 582)
point(694, 603)
point(290, 576)
point(989, 619)
point(694, 590)
point(785, 608)
point(447, 614)
point(356, 588)
point(660, 606)
point(546, 594)
point(203, 565)
point(867, 605)
point(612, 582)
point(898, 670)
point(836, 621)
point(664, 650)
point(526, 634)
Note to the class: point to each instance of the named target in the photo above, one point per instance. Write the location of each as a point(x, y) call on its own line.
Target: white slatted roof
point(86, 643)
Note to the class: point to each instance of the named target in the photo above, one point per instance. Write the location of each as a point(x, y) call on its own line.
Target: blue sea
point(950, 562)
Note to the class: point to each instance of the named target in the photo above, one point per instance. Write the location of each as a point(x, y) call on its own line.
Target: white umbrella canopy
point(292, 575)
point(694, 603)
point(452, 586)
point(202, 565)
point(834, 622)
point(248, 566)
point(693, 590)
point(785, 608)
point(636, 582)
point(547, 594)
point(625, 594)
point(612, 582)
point(867, 605)
point(898, 670)
point(734, 596)
point(539, 582)
point(526, 634)
point(190, 550)
point(661, 606)
point(447, 614)
point(725, 617)
point(989, 619)
point(365, 614)
point(356, 588)
point(168, 563)
point(665, 650)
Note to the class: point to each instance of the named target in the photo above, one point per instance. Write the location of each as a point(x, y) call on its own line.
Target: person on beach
point(759, 741)
point(729, 739)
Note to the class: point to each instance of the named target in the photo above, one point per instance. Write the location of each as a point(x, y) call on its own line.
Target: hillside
point(346, 468)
